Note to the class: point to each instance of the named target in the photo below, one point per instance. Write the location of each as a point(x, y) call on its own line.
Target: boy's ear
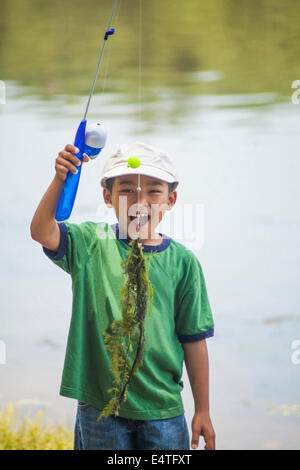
point(172, 199)
point(107, 197)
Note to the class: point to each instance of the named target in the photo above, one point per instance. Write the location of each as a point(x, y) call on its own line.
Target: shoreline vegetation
point(217, 47)
point(20, 432)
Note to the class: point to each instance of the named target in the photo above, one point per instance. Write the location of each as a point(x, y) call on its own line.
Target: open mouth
point(139, 220)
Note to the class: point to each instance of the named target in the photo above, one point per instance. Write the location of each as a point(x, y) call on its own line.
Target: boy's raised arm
point(44, 228)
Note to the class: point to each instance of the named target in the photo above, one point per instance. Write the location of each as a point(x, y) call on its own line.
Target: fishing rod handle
point(69, 190)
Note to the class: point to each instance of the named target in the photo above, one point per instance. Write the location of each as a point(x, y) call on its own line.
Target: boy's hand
point(201, 426)
point(66, 161)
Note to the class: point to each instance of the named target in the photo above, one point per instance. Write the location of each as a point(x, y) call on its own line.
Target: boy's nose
point(141, 197)
point(140, 208)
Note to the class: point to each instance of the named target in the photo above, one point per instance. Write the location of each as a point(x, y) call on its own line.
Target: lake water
point(236, 146)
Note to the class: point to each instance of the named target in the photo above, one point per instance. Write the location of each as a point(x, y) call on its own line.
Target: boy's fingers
point(62, 168)
point(85, 158)
point(66, 163)
point(69, 156)
point(210, 442)
point(71, 148)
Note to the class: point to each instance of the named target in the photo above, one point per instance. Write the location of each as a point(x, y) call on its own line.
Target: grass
point(18, 432)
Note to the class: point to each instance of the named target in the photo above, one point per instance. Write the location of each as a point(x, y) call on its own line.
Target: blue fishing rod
point(89, 140)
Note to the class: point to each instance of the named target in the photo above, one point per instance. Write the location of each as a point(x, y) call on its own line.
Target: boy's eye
point(126, 190)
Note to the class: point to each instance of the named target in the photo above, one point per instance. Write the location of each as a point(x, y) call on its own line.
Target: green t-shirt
point(91, 253)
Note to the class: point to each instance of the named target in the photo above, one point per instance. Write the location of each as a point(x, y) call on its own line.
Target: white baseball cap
point(153, 162)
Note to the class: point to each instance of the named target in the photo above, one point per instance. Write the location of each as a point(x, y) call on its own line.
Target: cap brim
point(142, 170)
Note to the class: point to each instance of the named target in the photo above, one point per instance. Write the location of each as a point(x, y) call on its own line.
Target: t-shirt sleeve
point(194, 319)
point(72, 247)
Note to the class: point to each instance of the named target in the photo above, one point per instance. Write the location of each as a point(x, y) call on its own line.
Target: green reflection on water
point(250, 46)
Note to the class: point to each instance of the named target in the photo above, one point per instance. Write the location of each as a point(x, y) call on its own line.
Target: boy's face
point(153, 200)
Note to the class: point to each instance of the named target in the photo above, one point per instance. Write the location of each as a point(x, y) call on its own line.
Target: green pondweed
point(126, 343)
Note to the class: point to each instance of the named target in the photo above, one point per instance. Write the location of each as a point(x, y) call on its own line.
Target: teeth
point(142, 220)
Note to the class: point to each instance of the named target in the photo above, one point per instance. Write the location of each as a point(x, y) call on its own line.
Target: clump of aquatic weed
point(128, 334)
point(18, 432)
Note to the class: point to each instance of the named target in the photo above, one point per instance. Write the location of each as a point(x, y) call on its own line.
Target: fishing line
point(108, 32)
point(140, 103)
point(117, 14)
point(140, 59)
point(136, 292)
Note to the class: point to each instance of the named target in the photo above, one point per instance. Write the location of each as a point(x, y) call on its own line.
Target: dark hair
point(110, 181)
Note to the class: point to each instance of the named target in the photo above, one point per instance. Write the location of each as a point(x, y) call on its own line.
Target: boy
point(152, 417)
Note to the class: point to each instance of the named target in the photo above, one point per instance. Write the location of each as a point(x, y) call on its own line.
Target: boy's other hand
point(66, 161)
point(202, 426)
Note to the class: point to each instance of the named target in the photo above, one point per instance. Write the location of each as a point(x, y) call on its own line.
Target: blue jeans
point(116, 433)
